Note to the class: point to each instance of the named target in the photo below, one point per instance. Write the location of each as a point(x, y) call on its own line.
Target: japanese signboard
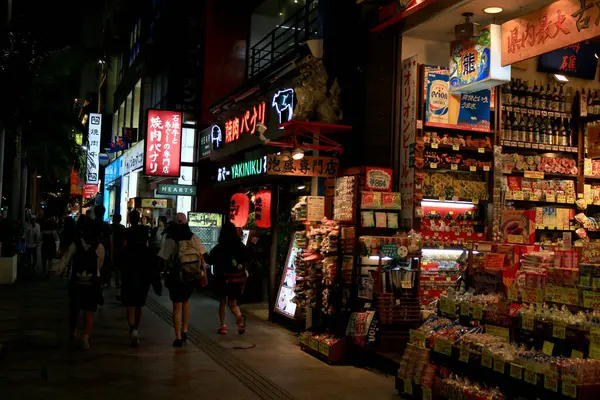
point(204, 141)
point(257, 166)
point(119, 144)
point(204, 220)
point(475, 63)
point(577, 60)
point(379, 178)
point(179, 190)
point(307, 166)
point(245, 123)
point(113, 170)
point(93, 161)
point(89, 191)
point(163, 143)
point(407, 138)
point(562, 23)
point(436, 100)
point(133, 158)
point(475, 110)
point(155, 203)
point(75, 188)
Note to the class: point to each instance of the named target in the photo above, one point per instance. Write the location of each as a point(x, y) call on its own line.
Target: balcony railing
point(303, 25)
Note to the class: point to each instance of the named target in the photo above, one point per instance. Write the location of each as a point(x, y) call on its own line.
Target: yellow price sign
point(516, 371)
point(477, 311)
point(434, 145)
point(576, 354)
point(595, 336)
point(527, 321)
point(550, 383)
point(443, 346)
point(486, 359)
point(324, 349)
point(455, 147)
point(454, 167)
point(499, 364)
point(481, 150)
point(464, 355)
point(427, 394)
point(548, 348)
point(498, 331)
point(559, 330)
point(465, 309)
point(594, 352)
point(569, 389)
point(472, 168)
point(408, 389)
point(530, 377)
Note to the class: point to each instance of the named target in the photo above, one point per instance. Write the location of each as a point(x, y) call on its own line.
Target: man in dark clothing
point(118, 239)
point(103, 233)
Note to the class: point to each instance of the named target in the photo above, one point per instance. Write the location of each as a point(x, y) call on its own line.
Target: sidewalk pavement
point(266, 363)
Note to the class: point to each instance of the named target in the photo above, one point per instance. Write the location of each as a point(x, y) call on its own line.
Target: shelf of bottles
point(537, 117)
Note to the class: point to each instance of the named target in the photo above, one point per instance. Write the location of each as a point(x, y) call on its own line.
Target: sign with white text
point(379, 178)
point(243, 169)
point(163, 143)
point(179, 190)
point(307, 166)
point(93, 160)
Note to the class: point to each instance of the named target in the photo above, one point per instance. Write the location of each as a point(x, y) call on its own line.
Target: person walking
point(229, 259)
point(67, 237)
point(49, 240)
point(183, 253)
point(118, 240)
point(103, 233)
point(85, 290)
point(137, 274)
point(32, 235)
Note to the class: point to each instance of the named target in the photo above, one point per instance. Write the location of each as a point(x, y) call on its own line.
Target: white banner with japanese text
point(93, 161)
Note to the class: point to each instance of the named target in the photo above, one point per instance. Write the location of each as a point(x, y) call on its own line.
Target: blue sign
point(578, 60)
point(113, 170)
point(120, 144)
point(475, 109)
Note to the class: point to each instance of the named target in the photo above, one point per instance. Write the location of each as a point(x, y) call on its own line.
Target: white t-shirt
point(170, 246)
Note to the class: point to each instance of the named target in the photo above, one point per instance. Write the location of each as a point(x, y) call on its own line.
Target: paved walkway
point(266, 363)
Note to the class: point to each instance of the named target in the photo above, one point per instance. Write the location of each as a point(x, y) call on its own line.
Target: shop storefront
point(112, 187)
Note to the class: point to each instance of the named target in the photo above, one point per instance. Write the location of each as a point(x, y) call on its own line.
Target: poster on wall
point(578, 60)
point(155, 203)
point(408, 134)
point(379, 178)
point(284, 304)
point(163, 144)
point(436, 97)
point(474, 110)
point(93, 156)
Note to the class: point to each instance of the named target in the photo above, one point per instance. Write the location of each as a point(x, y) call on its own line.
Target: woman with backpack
point(228, 258)
point(183, 252)
point(137, 271)
point(85, 289)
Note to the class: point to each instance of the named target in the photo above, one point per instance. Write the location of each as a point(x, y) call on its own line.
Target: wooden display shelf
point(441, 146)
point(546, 174)
point(536, 112)
point(536, 147)
point(464, 128)
point(435, 167)
point(543, 202)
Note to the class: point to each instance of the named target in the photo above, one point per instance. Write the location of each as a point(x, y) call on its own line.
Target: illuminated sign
point(244, 169)
point(283, 103)
point(93, 160)
point(179, 190)
point(216, 137)
point(155, 203)
point(163, 144)
point(246, 124)
point(307, 166)
point(204, 220)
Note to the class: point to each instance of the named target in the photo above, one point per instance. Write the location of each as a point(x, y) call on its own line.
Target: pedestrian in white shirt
point(32, 236)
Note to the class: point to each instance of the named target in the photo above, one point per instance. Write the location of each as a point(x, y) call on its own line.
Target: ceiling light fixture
point(560, 78)
point(493, 10)
point(298, 154)
point(301, 187)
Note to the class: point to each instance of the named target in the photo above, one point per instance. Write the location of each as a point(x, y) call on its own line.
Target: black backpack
point(85, 263)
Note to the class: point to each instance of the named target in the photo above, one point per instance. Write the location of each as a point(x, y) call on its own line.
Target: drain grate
point(256, 382)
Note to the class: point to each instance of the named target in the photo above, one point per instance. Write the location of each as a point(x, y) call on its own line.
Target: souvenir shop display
point(344, 202)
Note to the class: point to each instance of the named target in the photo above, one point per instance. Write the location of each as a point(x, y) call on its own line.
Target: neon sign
point(283, 103)
point(236, 126)
point(216, 137)
point(244, 169)
point(163, 145)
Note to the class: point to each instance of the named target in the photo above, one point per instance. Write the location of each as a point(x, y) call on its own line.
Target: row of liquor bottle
point(519, 93)
point(530, 129)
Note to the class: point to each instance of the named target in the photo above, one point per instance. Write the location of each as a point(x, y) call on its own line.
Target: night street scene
point(299, 199)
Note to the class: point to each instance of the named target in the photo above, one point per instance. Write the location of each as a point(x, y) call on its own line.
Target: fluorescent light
point(596, 55)
point(462, 205)
point(384, 258)
point(561, 78)
point(301, 187)
point(435, 252)
point(493, 10)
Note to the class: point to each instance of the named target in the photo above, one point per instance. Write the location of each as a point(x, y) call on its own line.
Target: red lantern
point(262, 209)
point(239, 208)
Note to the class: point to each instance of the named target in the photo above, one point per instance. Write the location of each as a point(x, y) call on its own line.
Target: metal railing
point(281, 41)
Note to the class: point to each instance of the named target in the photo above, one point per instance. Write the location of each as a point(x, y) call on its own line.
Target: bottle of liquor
point(536, 131)
point(568, 101)
point(543, 133)
point(549, 133)
point(503, 123)
point(590, 105)
point(523, 94)
point(556, 130)
point(569, 130)
point(514, 93)
point(522, 129)
point(555, 99)
point(530, 134)
point(515, 128)
point(542, 102)
point(535, 94)
point(528, 95)
point(596, 103)
point(563, 134)
point(561, 100)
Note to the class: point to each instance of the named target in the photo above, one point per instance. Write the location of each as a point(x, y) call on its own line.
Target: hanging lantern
point(239, 208)
point(262, 209)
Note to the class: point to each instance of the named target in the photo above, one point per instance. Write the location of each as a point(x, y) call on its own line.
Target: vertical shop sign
point(204, 143)
point(407, 137)
point(163, 145)
point(560, 24)
point(262, 209)
point(436, 107)
point(75, 189)
point(93, 160)
point(475, 110)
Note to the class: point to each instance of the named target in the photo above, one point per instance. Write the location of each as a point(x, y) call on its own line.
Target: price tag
point(548, 348)
point(513, 293)
point(561, 148)
point(303, 338)
point(434, 145)
point(442, 199)
point(591, 300)
point(527, 322)
point(498, 331)
point(454, 167)
point(324, 349)
point(499, 364)
point(559, 330)
point(481, 150)
point(554, 148)
point(472, 168)
point(569, 389)
point(580, 195)
point(530, 377)
point(596, 282)
point(464, 355)
point(443, 346)
point(595, 336)
point(570, 199)
point(576, 354)
point(535, 146)
point(455, 147)
point(594, 352)
point(521, 144)
point(561, 199)
point(518, 195)
point(419, 124)
point(486, 168)
point(433, 165)
point(314, 344)
point(427, 395)
point(408, 387)
point(550, 383)
point(486, 359)
point(516, 371)
point(585, 281)
point(465, 309)
point(477, 311)
point(417, 338)
point(475, 201)
point(527, 145)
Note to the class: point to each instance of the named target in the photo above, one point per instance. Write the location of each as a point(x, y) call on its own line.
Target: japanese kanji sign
point(308, 166)
point(163, 143)
point(408, 132)
point(89, 191)
point(576, 60)
point(75, 188)
point(245, 123)
point(93, 160)
point(557, 25)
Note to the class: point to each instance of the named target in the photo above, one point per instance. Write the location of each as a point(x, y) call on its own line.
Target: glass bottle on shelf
point(523, 94)
point(590, 105)
point(569, 131)
point(523, 129)
point(528, 96)
point(515, 93)
point(543, 133)
point(542, 102)
point(535, 95)
point(596, 103)
point(556, 129)
point(530, 134)
point(564, 141)
point(549, 133)
point(548, 97)
point(555, 99)
point(568, 101)
point(536, 131)
point(561, 100)
point(515, 128)
point(503, 123)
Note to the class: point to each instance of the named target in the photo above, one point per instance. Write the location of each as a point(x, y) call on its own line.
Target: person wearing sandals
point(228, 258)
point(180, 237)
